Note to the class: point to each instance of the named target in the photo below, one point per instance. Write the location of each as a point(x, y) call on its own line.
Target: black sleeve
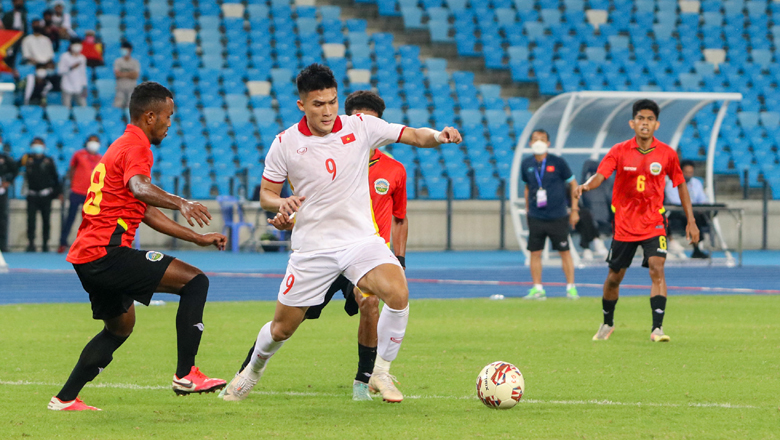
point(11, 169)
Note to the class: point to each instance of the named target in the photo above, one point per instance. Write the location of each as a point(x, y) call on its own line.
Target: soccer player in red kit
point(115, 275)
point(387, 179)
point(641, 166)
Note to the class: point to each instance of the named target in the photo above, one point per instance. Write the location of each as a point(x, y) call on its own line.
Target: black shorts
point(347, 289)
point(556, 229)
point(124, 275)
point(622, 252)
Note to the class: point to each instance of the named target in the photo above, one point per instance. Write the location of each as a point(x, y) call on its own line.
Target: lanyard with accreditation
point(541, 193)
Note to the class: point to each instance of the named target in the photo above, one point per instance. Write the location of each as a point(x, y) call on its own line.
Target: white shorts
point(310, 274)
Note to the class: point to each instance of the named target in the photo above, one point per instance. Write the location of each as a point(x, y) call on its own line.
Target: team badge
point(655, 168)
point(302, 150)
point(154, 256)
point(381, 186)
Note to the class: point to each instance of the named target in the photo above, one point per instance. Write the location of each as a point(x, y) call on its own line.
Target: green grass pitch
point(718, 378)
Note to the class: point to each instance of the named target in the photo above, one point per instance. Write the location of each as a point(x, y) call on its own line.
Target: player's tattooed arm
point(594, 182)
point(142, 188)
point(430, 138)
point(157, 220)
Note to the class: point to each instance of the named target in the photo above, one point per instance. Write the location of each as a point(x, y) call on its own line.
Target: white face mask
point(75, 48)
point(539, 148)
point(93, 146)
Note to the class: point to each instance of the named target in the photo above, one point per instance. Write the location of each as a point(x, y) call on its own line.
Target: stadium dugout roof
point(585, 125)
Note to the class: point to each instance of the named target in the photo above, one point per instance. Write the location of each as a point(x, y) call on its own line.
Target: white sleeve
point(62, 66)
point(275, 163)
point(380, 132)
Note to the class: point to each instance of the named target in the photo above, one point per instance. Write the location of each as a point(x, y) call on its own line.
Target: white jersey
point(332, 173)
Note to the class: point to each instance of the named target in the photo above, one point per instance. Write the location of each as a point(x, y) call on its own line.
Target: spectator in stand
point(37, 48)
point(92, 50)
point(73, 75)
point(126, 69)
point(7, 175)
point(62, 20)
point(51, 30)
point(81, 165)
point(677, 220)
point(43, 185)
point(15, 19)
point(38, 51)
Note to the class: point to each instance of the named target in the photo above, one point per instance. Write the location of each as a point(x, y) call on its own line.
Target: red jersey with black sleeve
point(387, 179)
point(638, 194)
point(111, 213)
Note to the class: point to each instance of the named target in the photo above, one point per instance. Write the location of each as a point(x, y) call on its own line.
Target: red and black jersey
point(387, 179)
point(111, 214)
point(638, 194)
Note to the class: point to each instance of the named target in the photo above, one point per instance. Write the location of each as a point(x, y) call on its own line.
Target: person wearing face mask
point(15, 19)
point(677, 219)
point(548, 180)
point(43, 185)
point(7, 175)
point(51, 30)
point(127, 69)
point(73, 72)
point(81, 165)
point(37, 48)
point(62, 20)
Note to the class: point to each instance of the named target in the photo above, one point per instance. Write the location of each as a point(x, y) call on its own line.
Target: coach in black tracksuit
point(43, 185)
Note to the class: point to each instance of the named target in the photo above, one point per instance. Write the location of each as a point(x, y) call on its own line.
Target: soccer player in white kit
point(325, 158)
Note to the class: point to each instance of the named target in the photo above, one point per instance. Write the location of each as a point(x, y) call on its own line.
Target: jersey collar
point(139, 133)
point(635, 145)
point(375, 158)
point(303, 126)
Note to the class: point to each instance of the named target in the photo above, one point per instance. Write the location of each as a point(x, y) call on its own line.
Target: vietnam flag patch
point(550, 168)
point(348, 139)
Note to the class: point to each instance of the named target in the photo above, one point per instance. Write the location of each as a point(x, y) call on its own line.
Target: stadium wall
point(475, 226)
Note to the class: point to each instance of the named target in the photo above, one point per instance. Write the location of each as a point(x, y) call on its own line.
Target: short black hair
point(38, 139)
point(364, 100)
point(75, 40)
point(127, 45)
point(146, 95)
point(646, 104)
point(687, 163)
point(315, 77)
point(541, 130)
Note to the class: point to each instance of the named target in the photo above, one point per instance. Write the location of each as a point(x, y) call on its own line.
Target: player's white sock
point(265, 347)
point(538, 287)
point(390, 331)
point(381, 365)
point(570, 286)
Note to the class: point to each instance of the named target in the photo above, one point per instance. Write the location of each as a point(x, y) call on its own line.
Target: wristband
point(436, 136)
point(402, 260)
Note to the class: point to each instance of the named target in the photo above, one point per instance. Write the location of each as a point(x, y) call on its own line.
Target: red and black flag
point(7, 39)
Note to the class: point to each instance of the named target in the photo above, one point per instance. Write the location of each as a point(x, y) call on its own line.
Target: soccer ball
point(500, 385)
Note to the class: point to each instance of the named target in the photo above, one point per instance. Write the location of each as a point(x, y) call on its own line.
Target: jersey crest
point(381, 186)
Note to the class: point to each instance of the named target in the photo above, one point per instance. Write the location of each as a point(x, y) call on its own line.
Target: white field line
point(128, 386)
